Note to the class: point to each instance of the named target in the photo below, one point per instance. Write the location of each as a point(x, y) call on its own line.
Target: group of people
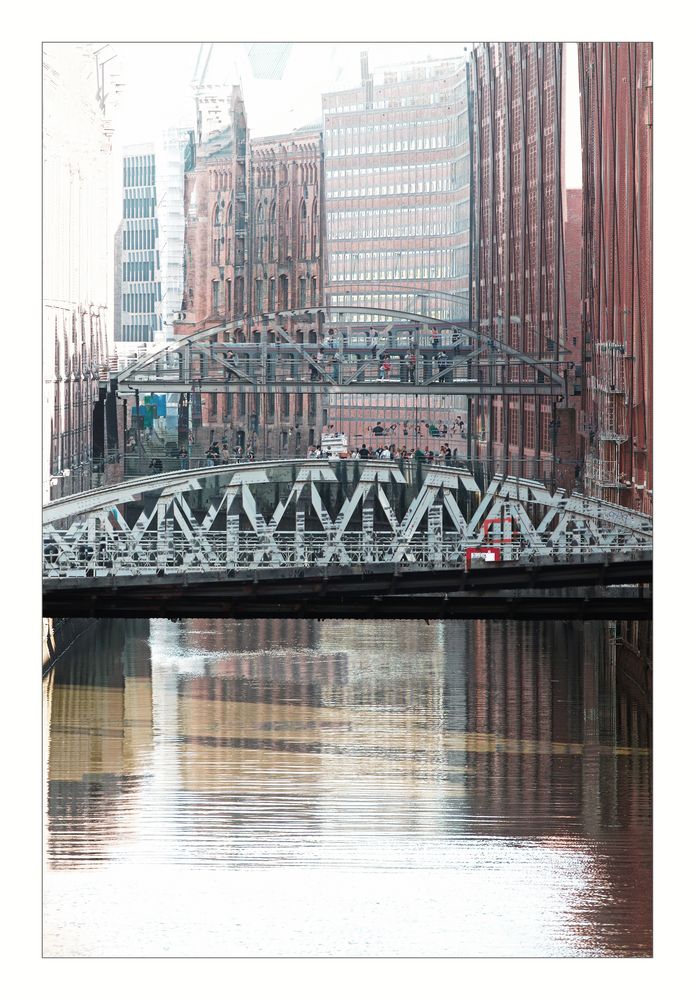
point(216, 455)
point(387, 452)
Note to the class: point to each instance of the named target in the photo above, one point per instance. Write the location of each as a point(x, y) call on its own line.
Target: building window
point(215, 296)
point(302, 293)
point(260, 235)
point(272, 232)
point(513, 427)
point(303, 225)
point(545, 431)
point(314, 229)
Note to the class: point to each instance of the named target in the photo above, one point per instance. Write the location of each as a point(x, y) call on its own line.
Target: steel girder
point(318, 513)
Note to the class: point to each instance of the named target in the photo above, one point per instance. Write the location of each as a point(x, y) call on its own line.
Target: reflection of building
point(99, 708)
point(616, 110)
point(78, 95)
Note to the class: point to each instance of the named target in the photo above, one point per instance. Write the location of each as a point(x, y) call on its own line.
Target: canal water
point(336, 788)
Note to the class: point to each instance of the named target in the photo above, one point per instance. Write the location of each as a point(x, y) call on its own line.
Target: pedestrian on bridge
point(183, 458)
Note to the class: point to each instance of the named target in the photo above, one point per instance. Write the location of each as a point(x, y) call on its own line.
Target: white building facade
point(79, 91)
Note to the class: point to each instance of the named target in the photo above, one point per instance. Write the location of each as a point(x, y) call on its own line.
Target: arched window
point(288, 231)
point(229, 235)
point(216, 235)
point(272, 232)
point(314, 228)
point(260, 235)
point(302, 231)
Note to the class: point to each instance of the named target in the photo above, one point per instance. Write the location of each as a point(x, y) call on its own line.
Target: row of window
point(138, 171)
point(254, 407)
point(139, 208)
point(133, 332)
point(397, 273)
point(395, 146)
point(402, 302)
point(269, 296)
point(396, 223)
point(140, 270)
point(436, 167)
point(414, 187)
point(140, 235)
point(529, 442)
point(142, 302)
point(379, 128)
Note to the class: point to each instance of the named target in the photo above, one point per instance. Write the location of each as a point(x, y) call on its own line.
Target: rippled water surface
point(346, 788)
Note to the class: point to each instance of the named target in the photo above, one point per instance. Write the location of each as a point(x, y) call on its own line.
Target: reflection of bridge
point(324, 528)
point(226, 358)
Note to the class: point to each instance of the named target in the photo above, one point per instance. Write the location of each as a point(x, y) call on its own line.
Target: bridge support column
point(435, 522)
point(368, 547)
point(233, 505)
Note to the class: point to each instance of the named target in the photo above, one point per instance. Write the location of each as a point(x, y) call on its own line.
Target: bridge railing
point(234, 365)
point(103, 556)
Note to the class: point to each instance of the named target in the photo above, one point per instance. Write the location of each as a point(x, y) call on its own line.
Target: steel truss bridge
point(312, 537)
point(225, 358)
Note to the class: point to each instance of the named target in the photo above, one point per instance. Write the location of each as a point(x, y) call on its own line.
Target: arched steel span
point(145, 371)
point(293, 515)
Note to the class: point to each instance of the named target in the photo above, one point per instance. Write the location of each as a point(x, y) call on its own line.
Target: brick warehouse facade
point(615, 81)
point(518, 276)
point(253, 245)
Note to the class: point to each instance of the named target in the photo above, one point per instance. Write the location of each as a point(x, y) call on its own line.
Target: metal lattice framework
point(476, 364)
point(318, 513)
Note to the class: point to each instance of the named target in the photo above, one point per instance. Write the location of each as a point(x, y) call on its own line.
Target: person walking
point(373, 343)
point(183, 458)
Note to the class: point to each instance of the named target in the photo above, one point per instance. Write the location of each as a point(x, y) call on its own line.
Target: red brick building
point(253, 247)
point(615, 81)
point(518, 274)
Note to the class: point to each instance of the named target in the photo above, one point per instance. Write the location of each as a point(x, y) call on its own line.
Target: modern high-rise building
point(397, 191)
point(615, 81)
point(149, 246)
point(79, 93)
point(141, 293)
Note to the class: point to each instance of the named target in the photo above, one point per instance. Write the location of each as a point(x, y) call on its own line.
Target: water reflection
point(510, 757)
